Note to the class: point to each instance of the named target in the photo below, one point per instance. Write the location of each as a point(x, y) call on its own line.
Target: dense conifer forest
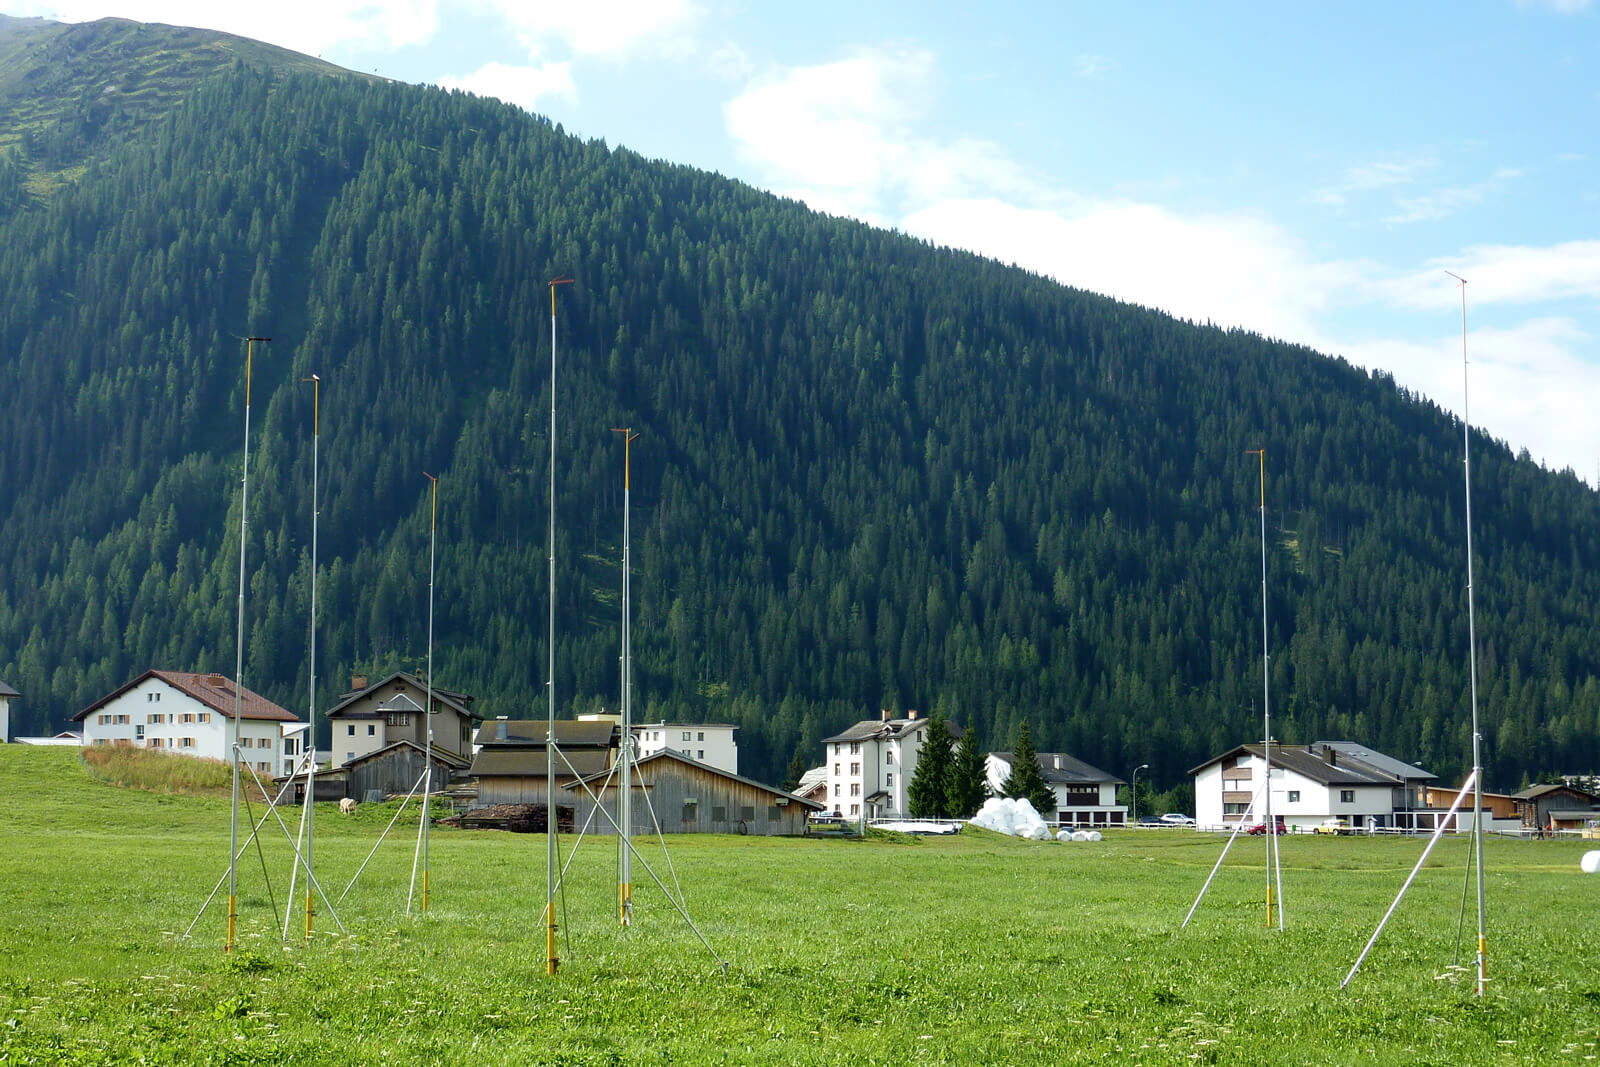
point(872, 473)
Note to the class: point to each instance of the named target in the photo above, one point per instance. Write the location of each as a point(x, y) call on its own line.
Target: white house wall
point(5, 720)
point(1299, 802)
point(708, 743)
point(154, 714)
point(354, 738)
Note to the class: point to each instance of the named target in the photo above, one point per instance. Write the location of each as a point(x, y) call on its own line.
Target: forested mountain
point(872, 473)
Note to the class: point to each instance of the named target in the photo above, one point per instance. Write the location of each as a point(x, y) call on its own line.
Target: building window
point(205, 716)
point(855, 809)
point(350, 731)
point(157, 719)
point(855, 789)
point(1083, 795)
point(855, 747)
point(1347, 796)
point(700, 753)
point(855, 768)
point(888, 779)
point(747, 813)
point(888, 756)
point(122, 720)
point(185, 742)
point(247, 742)
point(399, 718)
point(348, 756)
point(101, 720)
point(138, 732)
point(836, 769)
point(156, 742)
point(691, 811)
point(774, 813)
point(1234, 809)
point(686, 735)
point(719, 813)
point(835, 788)
point(1294, 796)
point(372, 729)
point(186, 717)
point(700, 735)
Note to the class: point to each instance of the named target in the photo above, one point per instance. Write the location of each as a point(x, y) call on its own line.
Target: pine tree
point(927, 792)
point(1026, 780)
point(797, 770)
point(967, 786)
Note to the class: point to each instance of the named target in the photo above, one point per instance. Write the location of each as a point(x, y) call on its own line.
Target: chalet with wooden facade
point(373, 717)
point(1555, 807)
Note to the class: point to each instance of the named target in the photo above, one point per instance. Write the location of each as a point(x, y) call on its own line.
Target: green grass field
point(973, 950)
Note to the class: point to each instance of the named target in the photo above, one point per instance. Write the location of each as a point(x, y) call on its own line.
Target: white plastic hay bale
point(1015, 817)
point(1080, 835)
point(1590, 862)
point(1094, 835)
point(1065, 836)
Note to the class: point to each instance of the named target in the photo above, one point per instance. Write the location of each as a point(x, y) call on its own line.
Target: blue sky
point(1305, 171)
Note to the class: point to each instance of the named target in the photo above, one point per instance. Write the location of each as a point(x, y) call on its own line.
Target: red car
point(1256, 829)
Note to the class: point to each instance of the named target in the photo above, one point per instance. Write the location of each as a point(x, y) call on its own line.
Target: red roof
point(215, 691)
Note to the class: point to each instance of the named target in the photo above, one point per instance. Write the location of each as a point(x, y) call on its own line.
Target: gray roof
point(523, 733)
point(1298, 758)
point(455, 701)
point(7, 691)
point(675, 756)
point(524, 762)
point(1574, 814)
point(1059, 768)
point(1397, 769)
point(1533, 792)
point(442, 755)
point(893, 729)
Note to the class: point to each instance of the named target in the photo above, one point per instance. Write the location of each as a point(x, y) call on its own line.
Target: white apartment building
point(1310, 784)
point(189, 714)
point(869, 766)
point(710, 743)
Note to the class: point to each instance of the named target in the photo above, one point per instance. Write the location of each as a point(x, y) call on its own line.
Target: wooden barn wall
point(396, 772)
point(673, 785)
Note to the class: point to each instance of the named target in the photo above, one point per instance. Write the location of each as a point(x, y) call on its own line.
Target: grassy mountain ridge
point(873, 473)
point(69, 90)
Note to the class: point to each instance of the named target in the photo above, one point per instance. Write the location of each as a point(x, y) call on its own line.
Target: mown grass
point(978, 949)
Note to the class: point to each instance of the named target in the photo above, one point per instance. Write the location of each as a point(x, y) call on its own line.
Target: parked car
point(1333, 826)
point(1150, 820)
point(1177, 818)
point(1260, 828)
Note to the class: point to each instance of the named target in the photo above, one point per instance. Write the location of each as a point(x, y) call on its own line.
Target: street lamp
point(1133, 793)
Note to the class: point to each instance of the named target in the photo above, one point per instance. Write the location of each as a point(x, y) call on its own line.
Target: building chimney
point(887, 714)
point(912, 714)
point(216, 681)
point(500, 728)
point(358, 682)
point(1058, 762)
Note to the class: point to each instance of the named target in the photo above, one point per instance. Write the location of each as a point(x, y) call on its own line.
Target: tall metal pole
point(625, 778)
point(1133, 793)
point(1274, 871)
point(427, 714)
point(1472, 650)
point(308, 820)
point(238, 660)
point(551, 961)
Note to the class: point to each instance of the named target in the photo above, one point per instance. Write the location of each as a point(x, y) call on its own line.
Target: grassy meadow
point(978, 949)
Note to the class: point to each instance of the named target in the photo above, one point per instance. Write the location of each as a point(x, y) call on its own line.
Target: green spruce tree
point(797, 770)
point(1026, 780)
point(968, 784)
point(927, 791)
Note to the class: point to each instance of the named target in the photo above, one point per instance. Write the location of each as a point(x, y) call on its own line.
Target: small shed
point(395, 769)
point(1538, 805)
point(691, 797)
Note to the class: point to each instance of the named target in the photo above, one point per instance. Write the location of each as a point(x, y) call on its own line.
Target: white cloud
point(1528, 385)
point(1088, 66)
point(521, 86)
point(302, 25)
point(839, 136)
point(1502, 274)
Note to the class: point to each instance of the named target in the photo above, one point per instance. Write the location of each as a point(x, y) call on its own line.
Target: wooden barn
point(690, 797)
point(510, 765)
point(393, 770)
